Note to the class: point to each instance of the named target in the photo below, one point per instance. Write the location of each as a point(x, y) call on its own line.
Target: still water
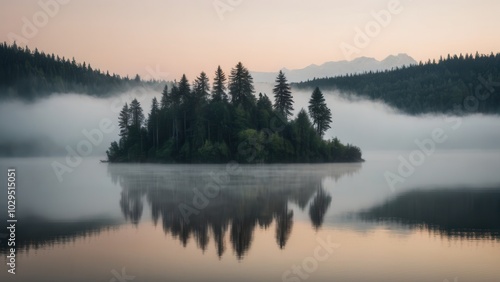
point(317, 222)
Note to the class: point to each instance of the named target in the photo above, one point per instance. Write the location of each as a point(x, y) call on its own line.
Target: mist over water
point(47, 126)
point(374, 126)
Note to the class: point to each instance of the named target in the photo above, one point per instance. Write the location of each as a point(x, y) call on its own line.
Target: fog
point(374, 126)
point(47, 126)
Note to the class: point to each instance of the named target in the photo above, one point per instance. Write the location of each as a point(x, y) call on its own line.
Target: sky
point(166, 38)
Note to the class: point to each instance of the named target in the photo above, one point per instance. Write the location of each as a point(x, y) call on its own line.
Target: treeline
point(196, 123)
point(431, 87)
point(28, 75)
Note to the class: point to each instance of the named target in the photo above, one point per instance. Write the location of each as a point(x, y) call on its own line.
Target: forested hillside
point(28, 75)
point(472, 81)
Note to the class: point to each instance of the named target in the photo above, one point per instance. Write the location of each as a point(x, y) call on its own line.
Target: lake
point(232, 222)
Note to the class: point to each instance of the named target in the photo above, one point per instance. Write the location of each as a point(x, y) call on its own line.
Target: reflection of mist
point(244, 204)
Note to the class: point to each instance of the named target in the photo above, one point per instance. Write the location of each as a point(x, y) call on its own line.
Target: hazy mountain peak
point(337, 68)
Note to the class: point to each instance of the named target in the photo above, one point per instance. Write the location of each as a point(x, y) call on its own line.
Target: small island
point(202, 124)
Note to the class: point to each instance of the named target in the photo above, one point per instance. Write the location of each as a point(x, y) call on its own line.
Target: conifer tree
point(201, 87)
point(319, 111)
point(124, 121)
point(283, 100)
point(219, 87)
point(241, 86)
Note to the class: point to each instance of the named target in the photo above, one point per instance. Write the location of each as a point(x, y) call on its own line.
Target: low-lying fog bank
point(48, 126)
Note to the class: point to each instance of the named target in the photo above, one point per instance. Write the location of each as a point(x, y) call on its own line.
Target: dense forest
point(472, 81)
point(28, 75)
point(202, 124)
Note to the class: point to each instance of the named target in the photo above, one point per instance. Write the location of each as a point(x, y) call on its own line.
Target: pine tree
point(184, 89)
point(136, 114)
point(175, 96)
point(219, 87)
point(153, 123)
point(166, 99)
point(283, 100)
point(136, 132)
point(241, 86)
point(124, 121)
point(319, 111)
point(201, 87)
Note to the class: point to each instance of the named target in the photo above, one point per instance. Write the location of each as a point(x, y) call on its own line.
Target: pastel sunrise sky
point(188, 36)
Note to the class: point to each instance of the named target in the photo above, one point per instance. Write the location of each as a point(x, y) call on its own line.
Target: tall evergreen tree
point(283, 100)
point(184, 89)
point(201, 87)
point(136, 132)
point(241, 86)
point(136, 114)
point(124, 121)
point(219, 87)
point(166, 99)
point(153, 123)
point(319, 111)
point(175, 96)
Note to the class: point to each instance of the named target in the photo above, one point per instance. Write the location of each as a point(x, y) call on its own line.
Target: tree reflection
point(318, 208)
point(284, 223)
point(131, 205)
point(255, 199)
point(464, 213)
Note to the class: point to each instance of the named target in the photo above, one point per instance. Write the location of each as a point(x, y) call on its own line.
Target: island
point(198, 123)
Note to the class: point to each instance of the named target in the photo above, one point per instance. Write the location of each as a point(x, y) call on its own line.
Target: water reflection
point(33, 233)
point(461, 213)
point(253, 199)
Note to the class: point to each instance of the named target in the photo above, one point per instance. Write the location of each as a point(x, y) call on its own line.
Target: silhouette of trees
point(30, 74)
point(431, 87)
point(191, 126)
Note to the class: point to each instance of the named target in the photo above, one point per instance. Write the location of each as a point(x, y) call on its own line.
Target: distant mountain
point(331, 69)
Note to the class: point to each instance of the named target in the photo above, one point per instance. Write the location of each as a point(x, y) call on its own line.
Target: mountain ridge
point(337, 68)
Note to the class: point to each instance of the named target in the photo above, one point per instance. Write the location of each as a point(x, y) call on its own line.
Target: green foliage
point(433, 87)
point(191, 126)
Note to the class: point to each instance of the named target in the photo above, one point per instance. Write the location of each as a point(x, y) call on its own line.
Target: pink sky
point(128, 37)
